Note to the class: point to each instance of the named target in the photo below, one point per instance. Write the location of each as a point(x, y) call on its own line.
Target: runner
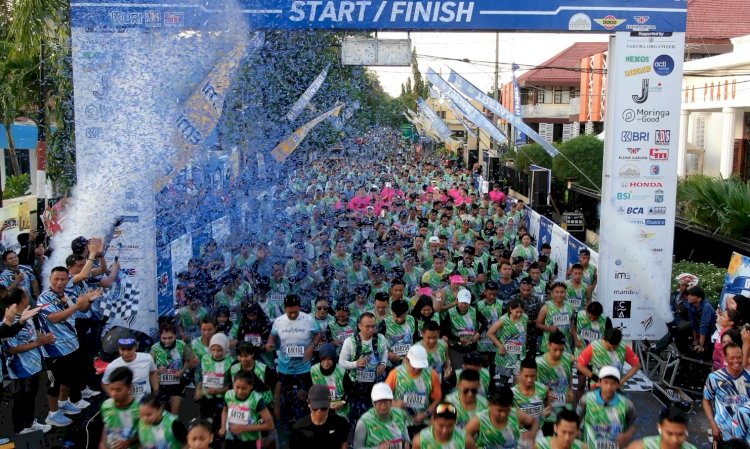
point(608, 416)
point(555, 370)
point(673, 432)
point(467, 399)
point(565, 433)
point(442, 432)
point(382, 425)
point(501, 424)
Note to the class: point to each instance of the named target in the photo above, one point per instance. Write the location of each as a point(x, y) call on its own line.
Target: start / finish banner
point(640, 180)
point(495, 15)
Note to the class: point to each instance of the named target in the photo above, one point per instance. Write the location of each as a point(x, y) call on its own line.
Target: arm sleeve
point(630, 356)
point(360, 435)
point(630, 415)
point(179, 431)
point(346, 354)
point(10, 331)
point(445, 328)
point(585, 358)
point(437, 391)
point(482, 323)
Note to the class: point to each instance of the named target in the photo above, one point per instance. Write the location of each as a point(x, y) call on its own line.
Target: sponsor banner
point(288, 145)
point(488, 102)
point(309, 93)
point(466, 108)
point(438, 125)
point(520, 136)
point(640, 179)
point(737, 281)
point(164, 287)
point(424, 15)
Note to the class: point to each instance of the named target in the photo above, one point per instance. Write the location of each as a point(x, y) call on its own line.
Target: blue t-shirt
point(743, 421)
point(73, 291)
point(728, 394)
point(292, 338)
point(66, 340)
point(24, 364)
point(7, 277)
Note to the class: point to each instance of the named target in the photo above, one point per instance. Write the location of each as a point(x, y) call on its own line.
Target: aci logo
point(662, 136)
point(634, 136)
point(621, 309)
point(658, 154)
point(663, 65)
point(643, 96)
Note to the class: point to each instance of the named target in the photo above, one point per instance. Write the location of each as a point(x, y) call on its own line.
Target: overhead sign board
point(376, 52)
point(423, 15)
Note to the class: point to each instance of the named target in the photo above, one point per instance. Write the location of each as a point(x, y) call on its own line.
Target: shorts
point(63, 370)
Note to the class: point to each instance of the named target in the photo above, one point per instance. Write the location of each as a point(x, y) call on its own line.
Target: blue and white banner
point(602, 16)
point(309, 93)
point(466, 108)
point(458, 117)
point(488, 102)
point(520, 137)
point(441, 129)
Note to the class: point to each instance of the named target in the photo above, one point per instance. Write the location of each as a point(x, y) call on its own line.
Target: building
point(711, 27)
point(476, 143)
point(715, 115)
point(549, 93)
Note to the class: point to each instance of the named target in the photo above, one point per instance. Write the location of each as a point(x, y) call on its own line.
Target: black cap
point(79, 244)
point(584, 252)
point(505, 254)
point(518, 260)
point(472, 358)
point(468, 249)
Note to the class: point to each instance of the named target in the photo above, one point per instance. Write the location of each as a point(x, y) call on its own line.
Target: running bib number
point(169, 378)
point(561, 319)
point(604, 444)
point(466, 333)
point(590, 334)
point(414, 400)
point(213, 380)
point(238, 414)
point(533, 410)
point(253, 339)
point(513, 347)
point(401, 350)
point(575, 302)
point(365, 376)
point(294, 351)
point(276, 298)
point(395, 444)
point(138, 388)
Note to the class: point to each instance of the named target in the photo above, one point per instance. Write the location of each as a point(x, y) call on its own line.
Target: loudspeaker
point(539, 187)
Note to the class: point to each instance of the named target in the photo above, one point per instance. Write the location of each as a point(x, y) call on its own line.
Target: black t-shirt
point(332, 434)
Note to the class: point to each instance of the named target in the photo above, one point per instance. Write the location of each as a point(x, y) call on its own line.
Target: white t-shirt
point(142, 366)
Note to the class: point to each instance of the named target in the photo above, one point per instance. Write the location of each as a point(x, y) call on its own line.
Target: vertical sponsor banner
point(640, 180)
point(165, 290)
point(520, 136)
point(439, 126)
point(533, 225)
point(545, 232)
point(559, 244)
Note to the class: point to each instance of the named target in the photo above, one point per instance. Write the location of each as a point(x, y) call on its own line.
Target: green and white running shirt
point(427, 440)
point(120, 424)
point(393, 431)
point(159, 436)
point(558, 379)
point(243, 412)
point(602, 424)
point(532, 405)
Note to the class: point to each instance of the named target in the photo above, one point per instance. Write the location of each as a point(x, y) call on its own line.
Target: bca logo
point(634, 210)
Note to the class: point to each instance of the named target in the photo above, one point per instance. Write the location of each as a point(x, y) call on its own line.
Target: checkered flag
point(122, 300)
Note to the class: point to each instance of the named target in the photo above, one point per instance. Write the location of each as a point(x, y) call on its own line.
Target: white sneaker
point(88, 393)
point(82, 404)
point(36, 425)
point(27, 430)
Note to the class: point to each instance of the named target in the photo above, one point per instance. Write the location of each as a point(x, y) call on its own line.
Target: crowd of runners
point(376, 301)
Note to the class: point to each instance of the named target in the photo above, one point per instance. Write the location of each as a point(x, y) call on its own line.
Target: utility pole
point(497, 85)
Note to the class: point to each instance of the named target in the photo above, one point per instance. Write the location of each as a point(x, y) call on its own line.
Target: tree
point(532, 154)
point(16, 95)
point(420, 88)
point(585, 153)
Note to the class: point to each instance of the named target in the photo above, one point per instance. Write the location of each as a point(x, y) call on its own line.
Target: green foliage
point(586, 153)
point(711, 277)
point(532, 154)
point(722, 205)
point(16, 186)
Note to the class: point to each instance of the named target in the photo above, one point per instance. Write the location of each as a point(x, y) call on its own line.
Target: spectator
point(320, 428)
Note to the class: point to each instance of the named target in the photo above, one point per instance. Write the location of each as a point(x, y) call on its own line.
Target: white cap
point(434, 239)
point(609, 371)
point(381, 391)
point(686, 278)
point(464, 296)
point(388, 184)
point(417, 356)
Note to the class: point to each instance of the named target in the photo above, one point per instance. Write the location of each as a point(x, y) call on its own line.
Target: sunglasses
point(321, 409)
point(322, 308)
point(473, 391)
point(445, 408)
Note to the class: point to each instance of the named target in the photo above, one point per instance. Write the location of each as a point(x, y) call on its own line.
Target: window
point(23, 161)
point(441, 114)
point(557, 95)
point(539, 96)
point(459, 134)
point(699, 131)
point(575, 92)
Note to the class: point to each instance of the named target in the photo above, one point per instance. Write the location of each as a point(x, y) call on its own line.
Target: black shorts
point(64, 370)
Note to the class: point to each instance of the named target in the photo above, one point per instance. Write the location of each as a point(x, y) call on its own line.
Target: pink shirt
point(497, 196)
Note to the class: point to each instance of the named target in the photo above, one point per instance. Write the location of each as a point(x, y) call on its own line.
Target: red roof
point(717, 20)
point(568, 58)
